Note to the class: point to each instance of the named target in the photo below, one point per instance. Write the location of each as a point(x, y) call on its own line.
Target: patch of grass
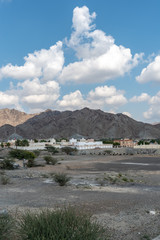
point(131, 180)
point(4, 180)
point(125, 179)
point(65, 224)
point(6, 225)
point(50, 160)
point(119, 175)
point(117, 179)
point(145, 237)
point(61, 178)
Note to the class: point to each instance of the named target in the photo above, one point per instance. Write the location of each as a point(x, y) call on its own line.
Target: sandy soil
point(121, 192)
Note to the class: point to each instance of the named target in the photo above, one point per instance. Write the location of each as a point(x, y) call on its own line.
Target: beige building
point(126, 142)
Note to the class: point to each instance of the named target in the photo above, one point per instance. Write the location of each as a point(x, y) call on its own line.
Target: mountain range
point(86, 123)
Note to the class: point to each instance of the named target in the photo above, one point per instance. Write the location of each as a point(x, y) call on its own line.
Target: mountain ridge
point(13, 117)
point(85, 122)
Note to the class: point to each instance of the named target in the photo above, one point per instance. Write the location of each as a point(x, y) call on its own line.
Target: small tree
point(17, 143)
point(21, 154)
point(2, 145)
point(8, 144)
point(22, 143)
point(25, 142)
point(51, 149)
point(116, 144)
point(68, 150)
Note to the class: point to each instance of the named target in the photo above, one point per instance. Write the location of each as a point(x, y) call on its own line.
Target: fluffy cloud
point(36, 96)
point(153, 112)
point(72, 101)
point(107, 96)
point(101, 58)
point(44, 63)
point(101, 97)
point(142, 98)
point(151, 72)
point(8, 100)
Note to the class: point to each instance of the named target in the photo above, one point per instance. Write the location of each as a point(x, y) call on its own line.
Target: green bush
point(36, 152)
point(30, 163)
point(65, 224)
point(6, 225)
point(51, 149)
point(125, 179)
point(22, 143)
point(4, 180)
point(69, 150)
point(61, 179)
point(7, 164)
point(50, 160)
point(21, 154)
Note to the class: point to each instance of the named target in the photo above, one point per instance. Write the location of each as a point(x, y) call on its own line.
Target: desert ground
point(122, 193)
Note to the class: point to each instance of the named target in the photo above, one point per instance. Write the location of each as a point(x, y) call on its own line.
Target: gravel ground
point(128, 209)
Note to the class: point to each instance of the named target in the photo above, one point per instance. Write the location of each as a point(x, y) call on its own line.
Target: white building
point(150, 146)
point(89, 144)
point(72, 141)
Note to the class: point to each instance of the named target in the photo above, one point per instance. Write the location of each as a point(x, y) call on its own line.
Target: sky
point(67, 55)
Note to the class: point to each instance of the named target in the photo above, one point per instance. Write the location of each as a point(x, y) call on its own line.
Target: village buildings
point(126, 142)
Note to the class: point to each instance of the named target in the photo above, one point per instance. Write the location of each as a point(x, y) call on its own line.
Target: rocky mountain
point(13, 117)
point(86, 122)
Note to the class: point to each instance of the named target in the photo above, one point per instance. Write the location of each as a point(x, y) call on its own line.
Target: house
point(90, 144)
point(126, 142)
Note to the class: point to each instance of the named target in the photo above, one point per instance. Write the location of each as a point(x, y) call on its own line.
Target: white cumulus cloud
point(8, 100)
point(72, 101)
point(142, 98)
point(153, 113)
point(100, 58)
point(36, 96)
point(151, 72)
point(101, 97)
point(107, 96)
point(44, 63)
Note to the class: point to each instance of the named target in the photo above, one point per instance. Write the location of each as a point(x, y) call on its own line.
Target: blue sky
point(66, 55)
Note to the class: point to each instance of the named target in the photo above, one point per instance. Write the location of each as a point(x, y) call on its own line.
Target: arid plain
point(121, 192)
